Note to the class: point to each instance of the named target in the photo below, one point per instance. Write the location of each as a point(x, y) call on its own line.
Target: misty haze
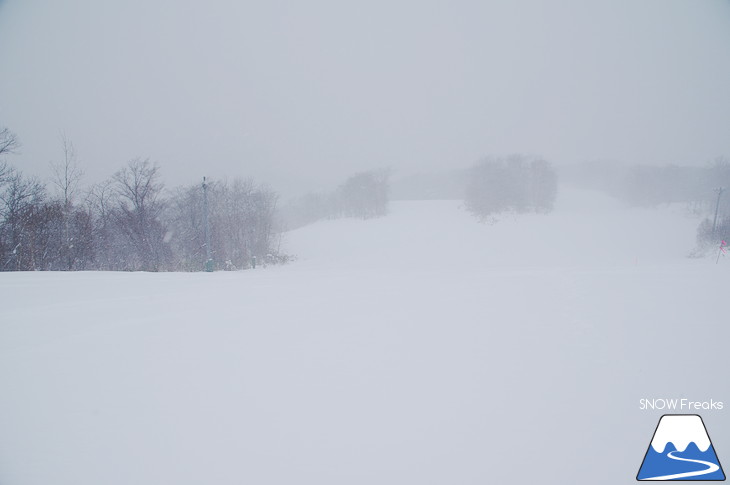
point(338, 243)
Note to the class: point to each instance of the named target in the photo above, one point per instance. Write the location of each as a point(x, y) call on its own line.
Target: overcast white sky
point(302, 93)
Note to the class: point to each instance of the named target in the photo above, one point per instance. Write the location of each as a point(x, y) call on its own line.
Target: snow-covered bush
point(514, 184)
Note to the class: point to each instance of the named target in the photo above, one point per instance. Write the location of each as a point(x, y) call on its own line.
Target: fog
point(437, 243)
point(301, 94)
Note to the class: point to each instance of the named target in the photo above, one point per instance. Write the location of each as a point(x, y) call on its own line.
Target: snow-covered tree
point(513, 184)
point(365, 194)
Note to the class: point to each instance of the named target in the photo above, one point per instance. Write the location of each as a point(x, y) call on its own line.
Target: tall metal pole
point(720, 190)
point(206, 224)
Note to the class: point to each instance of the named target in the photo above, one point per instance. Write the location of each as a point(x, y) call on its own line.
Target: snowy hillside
point(586, 229)
point(420, 348)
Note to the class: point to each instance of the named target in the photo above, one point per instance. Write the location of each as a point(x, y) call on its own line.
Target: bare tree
point(100, 203)
point(66, 177)
point(8, 144)
point(242, 216)
point(8, 141)
point(185, 217)
point(19, 198)
point(139, 211)
point(67, 174)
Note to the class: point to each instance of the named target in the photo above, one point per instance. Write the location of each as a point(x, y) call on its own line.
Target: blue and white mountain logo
point(680, 450)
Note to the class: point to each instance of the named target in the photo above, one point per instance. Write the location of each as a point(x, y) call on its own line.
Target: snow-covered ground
point(420, 348)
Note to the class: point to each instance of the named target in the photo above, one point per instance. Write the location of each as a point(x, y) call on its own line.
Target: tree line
point(364, 195)
point(698, 188)
point(643, 185)
point(516, 184)
point(129, 222)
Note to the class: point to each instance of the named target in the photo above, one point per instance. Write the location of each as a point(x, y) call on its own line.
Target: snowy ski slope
point(420, 348)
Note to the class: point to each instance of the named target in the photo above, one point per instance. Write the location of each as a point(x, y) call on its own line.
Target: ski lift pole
point(206, 224)
point(719, 190)
point(720, 251)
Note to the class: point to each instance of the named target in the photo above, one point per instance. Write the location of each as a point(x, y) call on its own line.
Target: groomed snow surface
point(419, 348)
